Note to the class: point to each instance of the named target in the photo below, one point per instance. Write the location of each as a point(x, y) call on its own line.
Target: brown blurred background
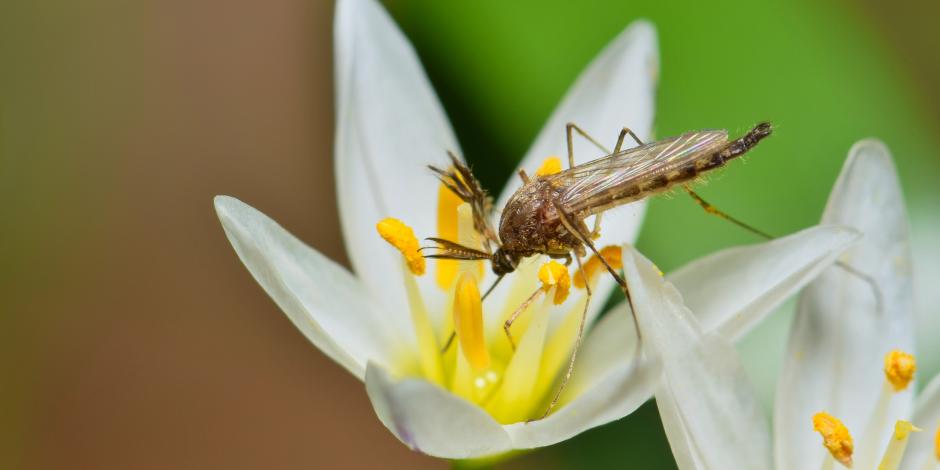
point(140, 340)
point(131, 335)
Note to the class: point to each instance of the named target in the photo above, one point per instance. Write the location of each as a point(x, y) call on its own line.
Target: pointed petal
point(734, 289)
point(710, 414)
point(838, 339)
point(616, 90)
point(389, 127)
point(432, 420)
point(924, 445)
point(606, 385)
point(323, 300)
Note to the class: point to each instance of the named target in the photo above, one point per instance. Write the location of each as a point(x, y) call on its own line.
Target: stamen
point(550, 166)
point(553, 274)
point(612, 254)
point(447, 203)
point(899, 369)
point(403, 238)
point(896, 447)
point(836, 437)
point(468, 322)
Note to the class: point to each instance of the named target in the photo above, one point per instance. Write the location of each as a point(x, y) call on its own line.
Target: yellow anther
point(468, 322)
point(550, 166)
point(612, 254)
point(899, 369)
point(447, 203)
point(553, 274)
point(402, 237)
point(836, 437)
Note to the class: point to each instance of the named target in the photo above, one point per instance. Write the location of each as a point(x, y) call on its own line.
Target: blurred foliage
point(818, 70)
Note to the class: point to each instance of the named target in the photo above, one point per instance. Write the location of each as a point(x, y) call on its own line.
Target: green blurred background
point(130, 335)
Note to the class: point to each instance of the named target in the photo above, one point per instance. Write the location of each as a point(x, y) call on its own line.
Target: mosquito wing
point(607, 182)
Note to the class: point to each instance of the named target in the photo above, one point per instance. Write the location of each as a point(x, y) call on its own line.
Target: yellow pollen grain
point(468, 322)
point(612, 254)
point(402, 237)
point(550, 166)
point(899, 369)
point(554, 274)
point(836, 437)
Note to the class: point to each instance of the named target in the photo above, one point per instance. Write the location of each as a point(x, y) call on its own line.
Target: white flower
point(844, 356)
point(386, 325)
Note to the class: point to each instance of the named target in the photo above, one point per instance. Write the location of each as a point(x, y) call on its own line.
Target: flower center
point(511, 374)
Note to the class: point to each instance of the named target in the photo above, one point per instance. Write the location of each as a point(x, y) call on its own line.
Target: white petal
point(605, 386)
point(838, 338)
point(927, 417)
point(734, 289)
point(432, 420)
point(389, 127)
point(616, 90)
point(710, 414)
point(323, 300)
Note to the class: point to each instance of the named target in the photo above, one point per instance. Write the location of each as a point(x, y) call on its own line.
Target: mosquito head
point(503, 262)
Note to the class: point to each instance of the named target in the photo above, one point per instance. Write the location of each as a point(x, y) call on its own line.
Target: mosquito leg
point(566, 220)
point(512, 318)
point(577, 347)
point(574, 127)
point(715, 211)
point(523, 176)
point(876, 292)
point(596, 232)
point(623, 134)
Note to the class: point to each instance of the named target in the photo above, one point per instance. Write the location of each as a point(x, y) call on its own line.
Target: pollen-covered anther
point(550, 166)
point(836, 437)
point(899, 369)
point(612, 254)
point(402, 237)
point(468, 322)
point(554, 274)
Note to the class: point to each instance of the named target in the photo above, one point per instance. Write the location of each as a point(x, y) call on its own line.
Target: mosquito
point(546, 216)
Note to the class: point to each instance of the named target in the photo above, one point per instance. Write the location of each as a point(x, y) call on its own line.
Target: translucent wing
point(606, 182)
